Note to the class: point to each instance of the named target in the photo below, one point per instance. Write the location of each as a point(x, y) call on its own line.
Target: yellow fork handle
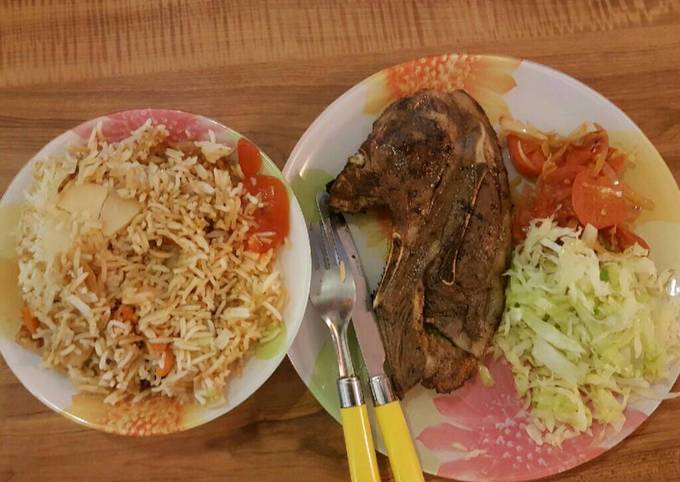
point(403, 457)
point(363, 466)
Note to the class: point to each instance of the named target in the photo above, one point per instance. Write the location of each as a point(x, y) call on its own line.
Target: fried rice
point(135, 271)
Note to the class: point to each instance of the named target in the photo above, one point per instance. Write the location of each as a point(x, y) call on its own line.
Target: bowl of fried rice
point(155, 268)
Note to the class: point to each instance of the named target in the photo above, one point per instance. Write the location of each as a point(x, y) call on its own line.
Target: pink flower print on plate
point(181, 125)
point(483, 437)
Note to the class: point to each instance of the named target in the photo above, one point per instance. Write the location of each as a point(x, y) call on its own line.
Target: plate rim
point(292, 168)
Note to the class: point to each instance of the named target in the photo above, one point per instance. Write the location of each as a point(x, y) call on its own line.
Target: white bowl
point(160, 415)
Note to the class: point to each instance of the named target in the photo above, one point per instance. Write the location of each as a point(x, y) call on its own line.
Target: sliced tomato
point(527, 155)
point(594, 147)
point(563, 174)
point(554, 194)
point(577, 155)
point(616, 160)
point(271, 219)
point(599, 143)
point(598, 201)
point(258, 245)
point(627, 238)
point(248, 157)
point(521, 217)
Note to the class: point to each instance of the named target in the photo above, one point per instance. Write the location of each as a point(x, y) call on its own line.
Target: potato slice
point(117, 213)
point(213, 151)
point(53, 236)
point(83, 198)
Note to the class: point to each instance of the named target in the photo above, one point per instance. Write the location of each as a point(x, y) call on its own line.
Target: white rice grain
point(178, 266)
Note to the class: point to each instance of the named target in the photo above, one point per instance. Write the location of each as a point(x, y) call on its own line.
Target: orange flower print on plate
point(486, 78)
point(152, 416)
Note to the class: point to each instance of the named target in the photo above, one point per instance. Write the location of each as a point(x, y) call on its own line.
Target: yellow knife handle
point(403, 457)
point(363, 466)
point(395, 433)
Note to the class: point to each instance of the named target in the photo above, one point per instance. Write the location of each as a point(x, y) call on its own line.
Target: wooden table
point(268, 69)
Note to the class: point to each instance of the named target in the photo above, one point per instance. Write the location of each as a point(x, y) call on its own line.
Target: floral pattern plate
point(475, 433)
point(157, 415)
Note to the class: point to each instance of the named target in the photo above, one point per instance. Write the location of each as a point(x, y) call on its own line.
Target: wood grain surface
point(267, 69)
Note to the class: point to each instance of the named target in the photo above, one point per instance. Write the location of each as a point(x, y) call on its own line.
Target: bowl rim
point(297, 298)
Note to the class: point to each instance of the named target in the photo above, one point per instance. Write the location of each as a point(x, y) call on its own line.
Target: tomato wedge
point(248, 157)
point(598, 201)
point(521, 217)
point(577, 183)
point(592, 149)
point(272, 218)
point(527, 156)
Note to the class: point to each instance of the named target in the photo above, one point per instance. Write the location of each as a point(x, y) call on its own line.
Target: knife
point(400, 450)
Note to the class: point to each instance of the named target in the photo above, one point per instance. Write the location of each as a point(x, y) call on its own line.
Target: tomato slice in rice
point(248, 157)
point(272, 219)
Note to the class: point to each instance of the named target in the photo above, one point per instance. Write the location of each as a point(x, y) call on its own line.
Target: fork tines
point(327, 242)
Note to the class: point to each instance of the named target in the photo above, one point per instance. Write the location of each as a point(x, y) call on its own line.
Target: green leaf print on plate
point(325, 375)
point(305, 186)
point(270, 348)
point(323, 383)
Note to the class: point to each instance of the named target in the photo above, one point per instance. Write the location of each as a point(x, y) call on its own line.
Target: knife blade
point(363, 318)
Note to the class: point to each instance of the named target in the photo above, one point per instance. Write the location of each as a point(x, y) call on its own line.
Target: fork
point(333, 294)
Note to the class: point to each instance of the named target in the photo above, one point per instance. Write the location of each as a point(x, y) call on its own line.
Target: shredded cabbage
point(584, 332)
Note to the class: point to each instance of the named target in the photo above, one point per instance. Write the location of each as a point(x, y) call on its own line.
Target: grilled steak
point(434, 162)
